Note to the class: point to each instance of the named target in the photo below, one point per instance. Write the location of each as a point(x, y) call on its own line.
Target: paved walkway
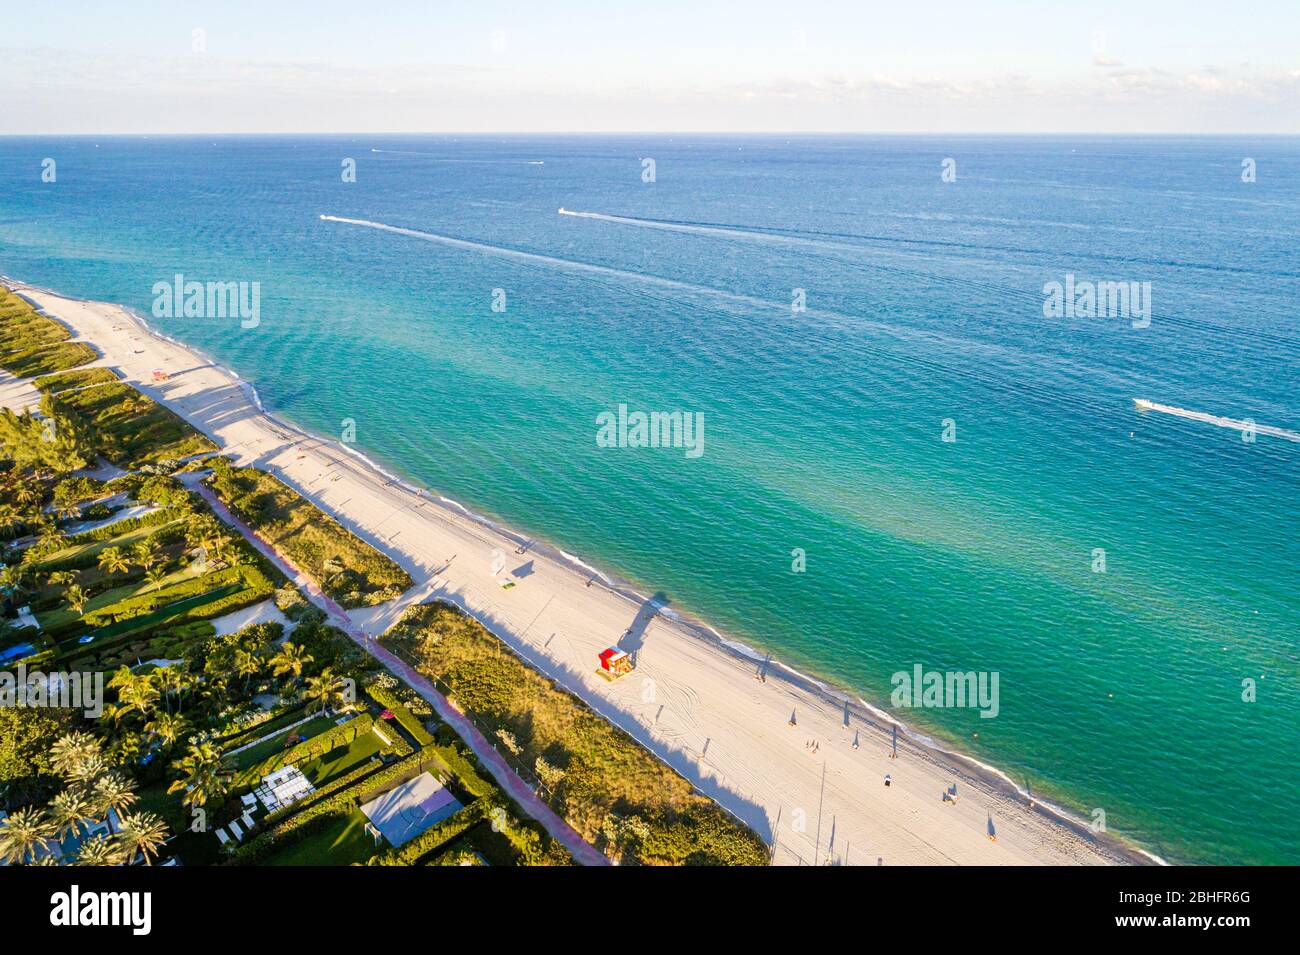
point(582, 851)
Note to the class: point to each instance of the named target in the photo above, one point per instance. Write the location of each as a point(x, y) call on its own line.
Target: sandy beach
point(693, 702)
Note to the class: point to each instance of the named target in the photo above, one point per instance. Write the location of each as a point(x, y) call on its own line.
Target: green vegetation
point(34, 344)
point(47, 359)
point(90, 787)
point(82, 378)
point(343, 841)
point(26, 769)
point(52, 442)
point(130, 429)
point(134, 597)
point(251, 759)
point(345, 567)
point(387, 698)
point(611, 790)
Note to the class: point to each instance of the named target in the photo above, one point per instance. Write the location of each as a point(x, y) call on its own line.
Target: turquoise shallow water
point(1120, 691)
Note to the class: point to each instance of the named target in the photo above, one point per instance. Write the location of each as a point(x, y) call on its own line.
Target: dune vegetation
point(345, 567)
point(613, 791)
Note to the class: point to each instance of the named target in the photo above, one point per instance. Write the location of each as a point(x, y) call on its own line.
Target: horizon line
point(652, 132)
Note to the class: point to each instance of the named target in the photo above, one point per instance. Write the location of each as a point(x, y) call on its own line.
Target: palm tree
point(11, 519)
point(17, 575)
point(51, 538)
point(70, 750)
point(114, 793)
point(141, 832)
point(155, 576)
point(60, 578)
point(125, 748)
point(168, 727)
point(23, 835)
point(323, 690)
point(89, 769)
point(76, 599)
point(201, 530)
point(70, 810)
point(146, 553)
point(247, 665)
point(221, 547)
point(170, 680)
point(140, 695)
point(202, 777)
point(290, 660)
point(98, 851)
point(112, 561)
point(26, 492)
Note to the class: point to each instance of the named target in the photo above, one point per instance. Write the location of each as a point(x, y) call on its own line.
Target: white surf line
point(1220, 422)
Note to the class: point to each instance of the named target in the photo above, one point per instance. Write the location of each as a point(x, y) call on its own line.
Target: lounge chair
point(237, 832)
point(250, 799)
point(247, 819)
point(222, 837)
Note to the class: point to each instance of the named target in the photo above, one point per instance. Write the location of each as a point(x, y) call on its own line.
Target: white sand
point(690, 701)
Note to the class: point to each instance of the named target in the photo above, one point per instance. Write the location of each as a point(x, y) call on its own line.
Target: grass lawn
point(124, 541)
point(341, 759)
point(47, 359)
point(255, 755)
point(492, 847)
point(62, 615)
point(341, 843)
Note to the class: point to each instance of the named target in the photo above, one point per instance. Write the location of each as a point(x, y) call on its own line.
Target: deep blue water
point(1119, 690)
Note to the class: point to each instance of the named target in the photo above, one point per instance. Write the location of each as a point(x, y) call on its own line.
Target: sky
point(1026, 66)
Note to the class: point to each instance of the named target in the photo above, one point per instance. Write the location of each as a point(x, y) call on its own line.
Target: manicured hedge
point(318, 745)
point(401, 713)
point(252, 731)
point(310, 816)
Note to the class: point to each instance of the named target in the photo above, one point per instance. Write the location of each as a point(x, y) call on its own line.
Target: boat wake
point(551, 260)
point(1243, 425)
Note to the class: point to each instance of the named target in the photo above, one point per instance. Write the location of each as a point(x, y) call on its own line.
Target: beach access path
point(506, 778)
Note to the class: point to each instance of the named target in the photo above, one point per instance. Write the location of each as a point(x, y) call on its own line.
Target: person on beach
point(888, 780)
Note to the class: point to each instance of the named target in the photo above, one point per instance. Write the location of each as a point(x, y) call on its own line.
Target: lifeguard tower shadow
point(633, 638)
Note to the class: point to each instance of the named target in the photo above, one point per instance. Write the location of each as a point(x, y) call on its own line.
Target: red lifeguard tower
point(614, 663)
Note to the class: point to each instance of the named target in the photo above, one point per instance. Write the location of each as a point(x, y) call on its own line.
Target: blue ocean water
point(1120, 690)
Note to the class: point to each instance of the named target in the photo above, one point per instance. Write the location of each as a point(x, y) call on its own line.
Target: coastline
point(762, 779)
